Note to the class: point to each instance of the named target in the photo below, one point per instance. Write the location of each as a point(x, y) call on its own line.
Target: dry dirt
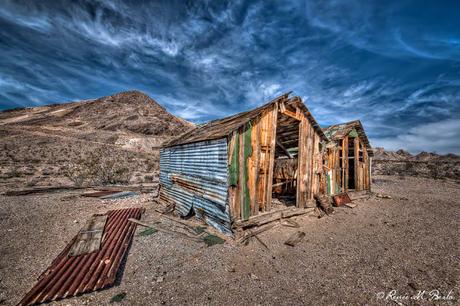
point(407, 243)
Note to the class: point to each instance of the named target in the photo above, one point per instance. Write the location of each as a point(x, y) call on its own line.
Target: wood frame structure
point(253, 139)
point(348, 158)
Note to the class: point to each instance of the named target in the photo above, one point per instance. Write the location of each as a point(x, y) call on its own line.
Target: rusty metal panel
point(341, 199)
point(98, 194)
point(73, 275)
point(194, 176)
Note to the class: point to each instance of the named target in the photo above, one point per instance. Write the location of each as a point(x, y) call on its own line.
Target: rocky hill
point(426, 164)
point(38, 144)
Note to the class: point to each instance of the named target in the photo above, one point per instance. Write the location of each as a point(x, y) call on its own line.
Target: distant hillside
point(37, 143)
point(424, 164)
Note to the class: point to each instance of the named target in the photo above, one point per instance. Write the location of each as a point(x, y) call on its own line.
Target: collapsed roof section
point(221, 128)
point(339, 131)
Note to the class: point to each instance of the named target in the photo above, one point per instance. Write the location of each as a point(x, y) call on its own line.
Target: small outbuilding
point(348, 158)
point(232, 169)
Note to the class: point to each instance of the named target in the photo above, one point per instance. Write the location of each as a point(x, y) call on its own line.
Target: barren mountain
point(39, 143)
point(424, 164)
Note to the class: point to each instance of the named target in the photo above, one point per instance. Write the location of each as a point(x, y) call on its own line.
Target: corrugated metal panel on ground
point(195, 176)
point(73, 275)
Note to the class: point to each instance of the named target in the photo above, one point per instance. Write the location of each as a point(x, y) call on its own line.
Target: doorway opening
point(286, 162)
point(351, 164)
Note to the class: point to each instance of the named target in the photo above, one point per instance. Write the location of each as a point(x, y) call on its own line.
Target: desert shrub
point(99, 167)
point(32, 181)
point(12, 173)
point(148, 178)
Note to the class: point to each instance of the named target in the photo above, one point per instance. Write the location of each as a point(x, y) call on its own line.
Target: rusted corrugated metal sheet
point(194, 176)
point(69, 276)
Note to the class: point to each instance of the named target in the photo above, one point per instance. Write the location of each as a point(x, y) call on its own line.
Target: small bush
point(32, 182)
point(99, 167)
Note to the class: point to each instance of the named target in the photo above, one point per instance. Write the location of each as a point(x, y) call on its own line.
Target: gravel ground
point(407, 243)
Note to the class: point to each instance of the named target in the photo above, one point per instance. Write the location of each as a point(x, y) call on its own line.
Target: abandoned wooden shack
point(233, 169)
point(348, 158)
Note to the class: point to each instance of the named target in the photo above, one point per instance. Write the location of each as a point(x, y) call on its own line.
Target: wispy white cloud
point(441, 137)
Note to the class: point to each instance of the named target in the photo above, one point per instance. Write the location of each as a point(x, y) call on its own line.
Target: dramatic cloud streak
point(396, 66)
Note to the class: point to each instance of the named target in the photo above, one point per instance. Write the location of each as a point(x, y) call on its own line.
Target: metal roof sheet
point(339, 131)
point(73, 275)
point(221, 128)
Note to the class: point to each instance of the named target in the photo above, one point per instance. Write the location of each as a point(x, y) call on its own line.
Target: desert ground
point(408, 243)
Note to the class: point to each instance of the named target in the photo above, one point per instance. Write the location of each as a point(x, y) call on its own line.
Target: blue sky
point(393, 64)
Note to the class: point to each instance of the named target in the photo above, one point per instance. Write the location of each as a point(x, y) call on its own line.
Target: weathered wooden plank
point(252, 169)
point(257, 166)
point(263, 162)
point(291, 114)
point(271, 216)
point(295, 238)
point(310, 149)
point(345, 164)
point(239, 192)
point(272, 130)
point(90, 236)
point(283, 148)
point(356, 155)
point(301, 167)
point(366, 167)
point(246, 170)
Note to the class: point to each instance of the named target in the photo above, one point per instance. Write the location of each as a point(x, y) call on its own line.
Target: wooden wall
point(310, 164)
point(338, 170)
point(251, 164)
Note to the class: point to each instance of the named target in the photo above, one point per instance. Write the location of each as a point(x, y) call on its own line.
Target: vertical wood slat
point(310, 143)
point(356, 149)
point(232, 189)
point(240, 192)
point(345, 164)
point(338, 175)
point(263, 162)
point(273, 124)
point(253, 167)
point(301, 195)
point(365, 173)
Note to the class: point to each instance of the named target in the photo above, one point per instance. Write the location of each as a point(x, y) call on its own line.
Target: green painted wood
point(233, 171)
point(353, 133)
point(247, 152)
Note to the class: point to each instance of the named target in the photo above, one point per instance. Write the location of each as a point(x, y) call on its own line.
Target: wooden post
point(253, 164)
point(345, 164)
point(272, 135)
point(356, 149)
point(302, 171)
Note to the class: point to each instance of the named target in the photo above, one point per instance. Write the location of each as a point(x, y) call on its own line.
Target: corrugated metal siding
point(195, 176)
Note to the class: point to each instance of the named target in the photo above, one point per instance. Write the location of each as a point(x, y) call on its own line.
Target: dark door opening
point(351, 164)
point(286, 162)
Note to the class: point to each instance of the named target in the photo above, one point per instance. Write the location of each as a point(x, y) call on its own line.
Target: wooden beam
point(272, 216)
point(288, 154)
point(356, 151)
point(290, 114)
point(302, 192)
point(271, 165)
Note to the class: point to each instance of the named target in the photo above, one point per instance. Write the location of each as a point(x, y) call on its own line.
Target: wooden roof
point(339, 131)
point(221, 128)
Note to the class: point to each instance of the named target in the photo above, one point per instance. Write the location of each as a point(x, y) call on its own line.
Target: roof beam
point(288, 154)
point(296, 115)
